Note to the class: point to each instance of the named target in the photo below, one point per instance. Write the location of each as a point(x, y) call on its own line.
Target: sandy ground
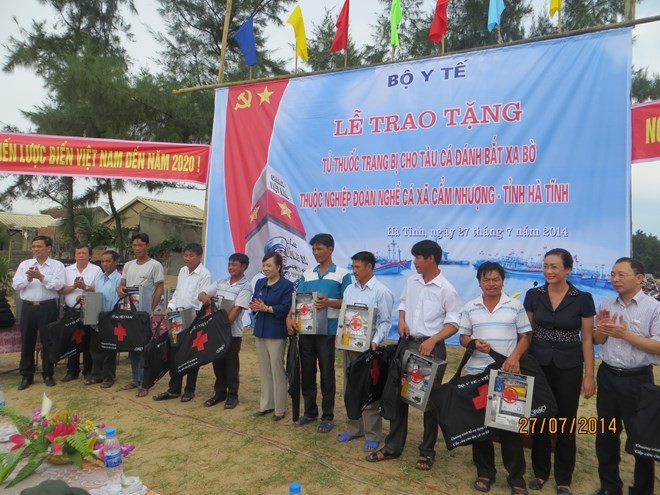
point(191, 449)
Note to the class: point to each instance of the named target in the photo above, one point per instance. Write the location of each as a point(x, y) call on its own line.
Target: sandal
point(482, 484)
point(187, 397)
point(425, 462)
point(564, 490)
point(380, 455)
point(107, 384)
point(141, 392)
point(213, 401)
point(325, 427)
point(347, 437)
point(302, 421)
point(370, 445)
point(165, 396)
point(536, 483)
point(129, 386)
point(91, 381)
point(520, 490)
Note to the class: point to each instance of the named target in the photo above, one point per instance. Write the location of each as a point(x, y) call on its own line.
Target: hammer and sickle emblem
point(244, 100)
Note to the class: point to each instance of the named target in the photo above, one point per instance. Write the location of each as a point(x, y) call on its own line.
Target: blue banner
point(499, 154)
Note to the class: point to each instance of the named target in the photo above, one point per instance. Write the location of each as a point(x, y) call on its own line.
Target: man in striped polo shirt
point(496, 321)
point(330, 281)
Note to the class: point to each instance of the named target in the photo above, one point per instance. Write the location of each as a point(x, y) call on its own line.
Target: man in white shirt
point(80, 278)
point(238, 290)
point(145, 272)
point(36, 282)
point(194, 277)
point(628, 326)
point(429, 313)
point(368, 291)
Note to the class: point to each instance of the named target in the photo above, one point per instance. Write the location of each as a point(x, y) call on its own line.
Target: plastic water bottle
point(295, 488)
point(112, 453)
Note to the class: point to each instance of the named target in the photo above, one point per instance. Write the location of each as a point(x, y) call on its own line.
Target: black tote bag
point(124, 330)
point(208, 338)
point(461, 405)
point(365, 381)
point(156, 359)
point(645, 438)
point(65, 335)
point(391, 395)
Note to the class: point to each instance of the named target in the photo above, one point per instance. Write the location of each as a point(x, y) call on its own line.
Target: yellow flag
point(555, 5)
point(296, 20)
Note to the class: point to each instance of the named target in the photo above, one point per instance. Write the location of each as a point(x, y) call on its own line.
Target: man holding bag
point(498, 322)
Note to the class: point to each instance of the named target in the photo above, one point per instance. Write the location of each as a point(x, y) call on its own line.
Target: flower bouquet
point(57, 437)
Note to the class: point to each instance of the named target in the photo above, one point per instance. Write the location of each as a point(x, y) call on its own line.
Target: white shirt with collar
point(53, 272)
point(89, 274)
point(430, 306)
point(188, 286)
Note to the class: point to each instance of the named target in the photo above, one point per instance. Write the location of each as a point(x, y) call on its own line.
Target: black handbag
point(208, 338)
point(644, 440)
point(391, 395)
point(124, 330)
point(156, 359)
point(365, 381)
point(461, 405)
point(65, 335)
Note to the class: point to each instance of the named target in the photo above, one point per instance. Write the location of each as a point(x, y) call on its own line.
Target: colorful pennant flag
point(495, 10)
point(296, 20)
point(396, 14)
point(439, 24)
point(555, 6)
point(245, 38)
point(341, 37)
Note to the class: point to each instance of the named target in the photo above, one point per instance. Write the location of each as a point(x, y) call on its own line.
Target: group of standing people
point(556, 324)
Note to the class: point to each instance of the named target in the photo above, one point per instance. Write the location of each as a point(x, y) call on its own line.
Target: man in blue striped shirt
point(499, 322)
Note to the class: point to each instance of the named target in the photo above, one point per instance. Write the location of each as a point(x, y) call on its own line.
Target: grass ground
point(194, 450)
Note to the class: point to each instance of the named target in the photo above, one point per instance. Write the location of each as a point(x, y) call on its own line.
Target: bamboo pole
point(565, 34)
point(559, 20)
point(443, 45)
point(346, 56)
point(393, 52)
point(223, 48)
point(499, 35)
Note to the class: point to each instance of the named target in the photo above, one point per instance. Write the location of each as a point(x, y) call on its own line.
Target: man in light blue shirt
point(104, 363)
point(372, 293)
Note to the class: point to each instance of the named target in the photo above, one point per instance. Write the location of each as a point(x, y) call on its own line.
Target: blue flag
point(245, 38)
point(495, 10)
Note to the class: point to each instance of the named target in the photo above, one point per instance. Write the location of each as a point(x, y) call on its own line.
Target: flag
point(296, 20)
point(396, 15)
point(495, 10)
point(245, 38)
point(439, 24)
point(341, 37)
point(555, 5)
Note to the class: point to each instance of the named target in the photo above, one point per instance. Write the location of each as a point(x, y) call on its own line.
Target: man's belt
point(642, 370)
point(39, 303)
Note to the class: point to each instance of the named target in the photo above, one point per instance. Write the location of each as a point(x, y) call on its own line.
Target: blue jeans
point(137, 370)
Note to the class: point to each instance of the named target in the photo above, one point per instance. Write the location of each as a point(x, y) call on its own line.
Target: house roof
point(25, 220)
point(167, 208)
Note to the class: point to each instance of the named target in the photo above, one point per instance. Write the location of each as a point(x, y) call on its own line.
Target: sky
point(22, 90)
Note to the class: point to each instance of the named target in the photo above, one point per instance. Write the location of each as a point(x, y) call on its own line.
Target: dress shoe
point(601, 491)
point(260, 414)
point(231, 403)
point(48, 380)
point(26, 382)
point(69, 377)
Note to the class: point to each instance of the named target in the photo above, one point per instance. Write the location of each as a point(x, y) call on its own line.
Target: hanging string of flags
point(245, 34)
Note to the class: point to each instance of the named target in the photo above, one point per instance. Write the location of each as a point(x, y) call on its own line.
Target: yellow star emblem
point(265, 95)
point(284, 210)
point(254, 214)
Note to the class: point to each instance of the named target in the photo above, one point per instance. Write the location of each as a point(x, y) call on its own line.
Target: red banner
point(33, 154)
point(646, 131)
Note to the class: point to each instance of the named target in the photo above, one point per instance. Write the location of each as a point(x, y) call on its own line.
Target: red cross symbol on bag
point(120, 331)
point(200, 341)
